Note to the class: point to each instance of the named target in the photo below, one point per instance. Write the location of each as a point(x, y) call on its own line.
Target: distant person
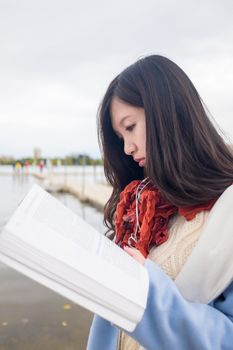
point(172, 175)
point(41, 166)
point(27, 167)
point(22, 166)
point(18, 167)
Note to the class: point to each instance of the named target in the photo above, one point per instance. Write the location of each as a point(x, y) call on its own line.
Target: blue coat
point(170, 321)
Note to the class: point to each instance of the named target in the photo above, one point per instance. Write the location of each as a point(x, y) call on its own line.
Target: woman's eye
point(130, 127)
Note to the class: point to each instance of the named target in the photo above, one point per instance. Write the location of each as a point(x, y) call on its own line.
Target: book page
point(40, 207)
point(47, 226)
point(111, 314)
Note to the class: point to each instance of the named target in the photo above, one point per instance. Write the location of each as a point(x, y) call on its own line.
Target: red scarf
point(153, 216)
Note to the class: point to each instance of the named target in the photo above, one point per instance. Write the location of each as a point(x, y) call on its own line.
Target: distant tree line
point(79, 159)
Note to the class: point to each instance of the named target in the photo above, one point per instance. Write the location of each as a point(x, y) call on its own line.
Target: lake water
point(91, 173)
point(32, 317)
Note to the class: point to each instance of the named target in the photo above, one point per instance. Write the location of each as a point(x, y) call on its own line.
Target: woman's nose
point(129, 148)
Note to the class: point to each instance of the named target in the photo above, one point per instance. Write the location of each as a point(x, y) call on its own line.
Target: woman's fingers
point(135, 254)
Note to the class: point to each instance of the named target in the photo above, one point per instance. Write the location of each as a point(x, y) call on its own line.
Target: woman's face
point(129, 124)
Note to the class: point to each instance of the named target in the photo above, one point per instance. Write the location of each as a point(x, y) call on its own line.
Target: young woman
point(171, 208)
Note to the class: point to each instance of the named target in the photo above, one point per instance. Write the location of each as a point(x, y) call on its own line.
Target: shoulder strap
point(209, 269)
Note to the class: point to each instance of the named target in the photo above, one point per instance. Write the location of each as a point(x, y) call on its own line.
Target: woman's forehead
point(119, 107)
point(120, 111)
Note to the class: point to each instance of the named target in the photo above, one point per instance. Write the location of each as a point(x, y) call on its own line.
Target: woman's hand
point(135, 254)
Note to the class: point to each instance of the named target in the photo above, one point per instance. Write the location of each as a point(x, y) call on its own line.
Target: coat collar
point(209, 269)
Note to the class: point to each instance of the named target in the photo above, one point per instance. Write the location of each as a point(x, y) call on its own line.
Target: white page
point(73, 280)
point(45, 224)
point(110, 315)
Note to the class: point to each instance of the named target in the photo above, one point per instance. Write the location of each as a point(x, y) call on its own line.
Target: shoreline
point(95, 194)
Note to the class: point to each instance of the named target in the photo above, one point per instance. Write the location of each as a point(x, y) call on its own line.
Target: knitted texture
point(143, 216)
point(171, 257)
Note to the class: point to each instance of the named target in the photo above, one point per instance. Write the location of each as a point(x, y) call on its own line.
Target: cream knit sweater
point(171, 256)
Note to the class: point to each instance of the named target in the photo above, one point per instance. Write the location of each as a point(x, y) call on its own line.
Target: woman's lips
point(141, 161)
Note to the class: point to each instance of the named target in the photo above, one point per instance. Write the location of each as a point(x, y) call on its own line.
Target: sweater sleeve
point(170, 321)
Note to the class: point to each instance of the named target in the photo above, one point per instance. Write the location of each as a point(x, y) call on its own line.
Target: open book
point(47, 242)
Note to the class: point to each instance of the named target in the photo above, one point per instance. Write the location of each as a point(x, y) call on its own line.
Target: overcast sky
point(58, 57)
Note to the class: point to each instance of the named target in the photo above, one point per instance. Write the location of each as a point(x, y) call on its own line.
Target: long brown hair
point(186, 158)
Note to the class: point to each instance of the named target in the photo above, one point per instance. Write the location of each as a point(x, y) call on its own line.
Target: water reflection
point(32, 317)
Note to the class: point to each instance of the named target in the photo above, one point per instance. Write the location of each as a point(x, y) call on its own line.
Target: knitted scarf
point(142, 216)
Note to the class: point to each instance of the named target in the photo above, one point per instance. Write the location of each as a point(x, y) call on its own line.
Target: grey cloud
point(57, 57)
